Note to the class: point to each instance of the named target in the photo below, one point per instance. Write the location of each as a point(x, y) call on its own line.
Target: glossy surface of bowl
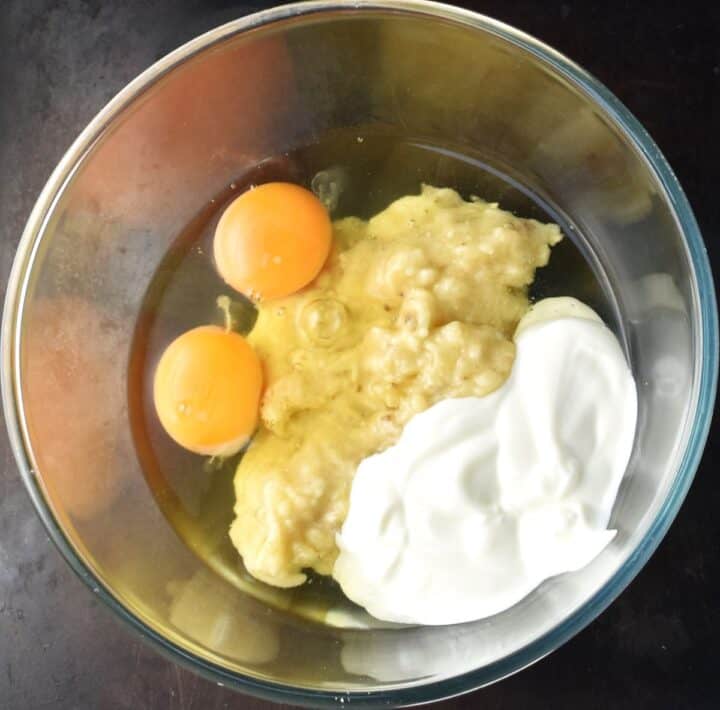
point(189, 126)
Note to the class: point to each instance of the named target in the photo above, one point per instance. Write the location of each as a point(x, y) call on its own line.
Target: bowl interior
point(204, 118)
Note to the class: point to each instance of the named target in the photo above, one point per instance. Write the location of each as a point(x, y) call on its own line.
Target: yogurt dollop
point(482, 499)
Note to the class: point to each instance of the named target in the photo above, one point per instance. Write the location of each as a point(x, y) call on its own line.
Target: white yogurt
point(483, 498)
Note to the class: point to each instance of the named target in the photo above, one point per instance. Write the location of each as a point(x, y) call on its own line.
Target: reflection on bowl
point(216, 616)
point(70, 351)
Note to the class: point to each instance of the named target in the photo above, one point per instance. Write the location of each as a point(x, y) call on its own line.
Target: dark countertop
point(656, 646)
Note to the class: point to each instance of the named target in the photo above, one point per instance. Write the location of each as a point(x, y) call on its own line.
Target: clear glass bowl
point(180, 133)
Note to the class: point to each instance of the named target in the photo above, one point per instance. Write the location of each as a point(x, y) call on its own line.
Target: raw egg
point(207, 391)
point(272, 240)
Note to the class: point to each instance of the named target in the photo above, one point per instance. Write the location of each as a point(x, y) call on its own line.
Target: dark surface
point(657, 644)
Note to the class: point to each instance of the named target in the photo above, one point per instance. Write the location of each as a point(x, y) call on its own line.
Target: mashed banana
point(417, 305)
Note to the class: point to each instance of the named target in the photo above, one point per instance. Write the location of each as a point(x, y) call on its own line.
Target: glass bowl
point(183, 131)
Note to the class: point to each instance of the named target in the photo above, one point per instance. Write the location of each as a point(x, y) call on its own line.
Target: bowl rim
point(706, 355)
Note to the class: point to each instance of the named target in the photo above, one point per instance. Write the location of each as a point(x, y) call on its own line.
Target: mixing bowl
point(182, 132)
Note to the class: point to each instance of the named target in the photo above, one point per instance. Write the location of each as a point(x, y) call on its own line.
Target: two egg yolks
point(270, 242)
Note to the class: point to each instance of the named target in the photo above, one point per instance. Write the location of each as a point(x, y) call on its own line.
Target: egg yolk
point(272, 240)
point(207, 391)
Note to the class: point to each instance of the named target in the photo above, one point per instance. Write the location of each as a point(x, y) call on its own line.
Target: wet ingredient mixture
point(483, 498)
point(416, 305)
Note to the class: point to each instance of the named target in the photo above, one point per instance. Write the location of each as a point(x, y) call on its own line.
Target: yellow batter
point(414, 306)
